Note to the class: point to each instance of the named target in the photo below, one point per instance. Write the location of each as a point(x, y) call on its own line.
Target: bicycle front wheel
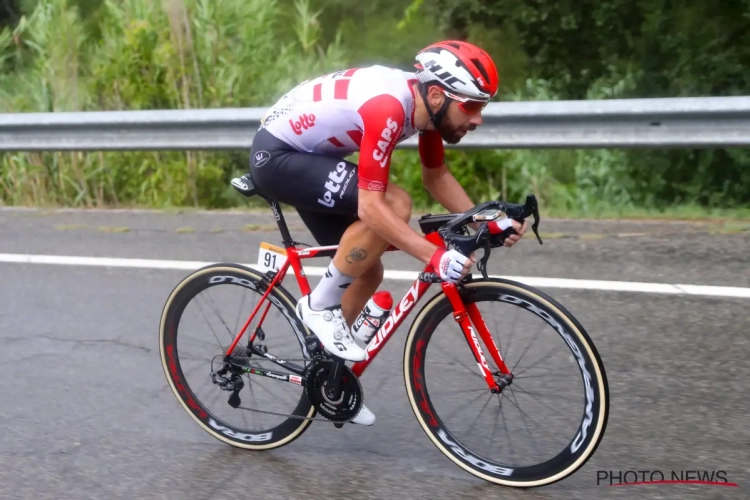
point(556, 370)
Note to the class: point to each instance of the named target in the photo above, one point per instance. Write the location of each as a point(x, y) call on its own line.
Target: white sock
point(331, 288)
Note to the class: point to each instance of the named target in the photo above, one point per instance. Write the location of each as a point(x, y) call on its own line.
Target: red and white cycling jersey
point(362, 109)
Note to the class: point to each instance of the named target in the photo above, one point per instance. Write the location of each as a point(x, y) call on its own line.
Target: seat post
point(285, 236)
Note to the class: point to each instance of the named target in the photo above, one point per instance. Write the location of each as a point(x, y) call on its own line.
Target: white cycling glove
point(448, 264)
point(497, 227)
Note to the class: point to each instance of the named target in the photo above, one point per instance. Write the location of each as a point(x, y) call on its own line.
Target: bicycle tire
point(563, 464)
point(206, 277)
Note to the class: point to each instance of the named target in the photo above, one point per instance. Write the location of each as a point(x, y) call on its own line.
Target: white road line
point(188, 265)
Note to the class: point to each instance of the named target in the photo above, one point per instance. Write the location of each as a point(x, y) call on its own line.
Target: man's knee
point(399, 201)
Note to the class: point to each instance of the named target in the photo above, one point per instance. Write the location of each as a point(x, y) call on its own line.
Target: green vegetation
point(89, 55)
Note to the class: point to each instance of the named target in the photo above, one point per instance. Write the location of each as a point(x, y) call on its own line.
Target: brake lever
point(530, 208)
point(533, 207)
point(482, 264)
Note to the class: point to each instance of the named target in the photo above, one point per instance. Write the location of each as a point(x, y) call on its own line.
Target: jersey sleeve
point(431, 149)
point(383, 119)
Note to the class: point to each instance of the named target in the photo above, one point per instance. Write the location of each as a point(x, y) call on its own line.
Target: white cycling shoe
point(330, 327)
point(364, 417)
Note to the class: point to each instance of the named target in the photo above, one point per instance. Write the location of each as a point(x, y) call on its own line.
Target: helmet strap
point(435, 118)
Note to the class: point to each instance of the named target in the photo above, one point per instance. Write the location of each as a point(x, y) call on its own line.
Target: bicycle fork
point(465, 315)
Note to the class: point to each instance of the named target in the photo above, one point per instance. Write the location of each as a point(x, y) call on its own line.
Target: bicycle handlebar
point(482, 238)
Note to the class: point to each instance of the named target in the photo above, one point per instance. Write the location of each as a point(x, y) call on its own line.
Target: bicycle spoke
point(506, 353)
point(244, 419)
point(252, 395)
point(484, 407)
point(197, 303)
point(473, 371)
point(467, 404)
point(497, 414)
point(195, 368)
point(239, 314)
point(200, 341)
point(546, 373)
point(523, 413)
point(523, 417)
point(216, 395)
point(519, 389)
point(535, 363)
point(505, 422)
point(524, 353)
point(456, 391)
point(213, 307)
point(256, 383)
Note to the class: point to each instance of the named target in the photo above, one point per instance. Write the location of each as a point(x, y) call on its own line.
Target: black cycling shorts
point(323, 189)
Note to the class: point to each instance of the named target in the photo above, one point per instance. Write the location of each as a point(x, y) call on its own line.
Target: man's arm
point(436, 178)
point(375, 212)
point(447, 191)
point(383, 119)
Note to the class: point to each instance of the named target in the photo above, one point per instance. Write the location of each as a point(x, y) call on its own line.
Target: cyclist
point(297, 157)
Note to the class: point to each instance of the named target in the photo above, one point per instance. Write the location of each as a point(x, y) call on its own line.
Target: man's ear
point(435, 96)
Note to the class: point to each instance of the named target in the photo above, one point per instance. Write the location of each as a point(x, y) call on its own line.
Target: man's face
point(456, 123)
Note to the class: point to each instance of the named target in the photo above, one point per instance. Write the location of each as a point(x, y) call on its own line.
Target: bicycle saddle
point(244, 185)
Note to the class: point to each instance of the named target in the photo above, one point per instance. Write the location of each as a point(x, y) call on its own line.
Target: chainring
point(349, 402)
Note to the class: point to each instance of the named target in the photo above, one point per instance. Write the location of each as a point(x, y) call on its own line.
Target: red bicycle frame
point(468, 317)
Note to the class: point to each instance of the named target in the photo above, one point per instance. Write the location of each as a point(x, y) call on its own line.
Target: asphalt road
point(86, 411)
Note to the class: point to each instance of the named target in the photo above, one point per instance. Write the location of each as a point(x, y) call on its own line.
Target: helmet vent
point(481, 69)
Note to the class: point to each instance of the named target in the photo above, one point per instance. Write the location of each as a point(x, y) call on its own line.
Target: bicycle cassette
point(349, 402)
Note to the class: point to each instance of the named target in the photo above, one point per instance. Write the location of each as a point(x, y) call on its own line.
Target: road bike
point(324, 388)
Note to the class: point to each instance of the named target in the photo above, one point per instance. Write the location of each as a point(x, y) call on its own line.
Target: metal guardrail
point(703, 122)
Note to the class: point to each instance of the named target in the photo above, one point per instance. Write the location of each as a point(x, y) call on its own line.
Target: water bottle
point(372, 316)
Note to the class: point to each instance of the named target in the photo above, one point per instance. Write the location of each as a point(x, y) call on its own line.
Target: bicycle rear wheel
point(189, 323)
point(436, 356)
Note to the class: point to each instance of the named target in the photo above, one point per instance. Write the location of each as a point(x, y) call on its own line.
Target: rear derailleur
point(228, 379)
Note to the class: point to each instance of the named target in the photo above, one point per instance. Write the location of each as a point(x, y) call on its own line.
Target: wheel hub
point(502, 382)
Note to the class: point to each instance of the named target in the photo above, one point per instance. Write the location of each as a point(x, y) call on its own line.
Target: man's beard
point(451, 134)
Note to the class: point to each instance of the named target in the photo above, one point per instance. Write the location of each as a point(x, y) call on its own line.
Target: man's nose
point(476, 119)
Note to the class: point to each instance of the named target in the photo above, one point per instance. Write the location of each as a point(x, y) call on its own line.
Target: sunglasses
point(468, 106)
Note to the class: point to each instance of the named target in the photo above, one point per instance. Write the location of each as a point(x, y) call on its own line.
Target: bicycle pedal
point(314, 346)
point(338, 425)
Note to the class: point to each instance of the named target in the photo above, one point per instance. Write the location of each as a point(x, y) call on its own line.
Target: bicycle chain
point(298, 417)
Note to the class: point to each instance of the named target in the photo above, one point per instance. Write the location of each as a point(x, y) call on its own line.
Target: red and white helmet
point(458, 67)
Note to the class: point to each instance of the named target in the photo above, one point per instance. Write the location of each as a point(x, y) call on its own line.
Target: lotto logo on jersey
point(390, 132)
point(333, 184)
point(304, 122)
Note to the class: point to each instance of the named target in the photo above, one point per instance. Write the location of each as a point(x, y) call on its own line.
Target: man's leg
point(360, 251)
point(356, 270)
point(360, 291)
point(357, 265)
point(324, 191)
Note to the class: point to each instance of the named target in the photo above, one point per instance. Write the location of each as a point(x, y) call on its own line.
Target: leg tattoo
point(356, 255)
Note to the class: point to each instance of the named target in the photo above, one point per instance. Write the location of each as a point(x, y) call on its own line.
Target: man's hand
point(497, 227)
point(450, 265)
